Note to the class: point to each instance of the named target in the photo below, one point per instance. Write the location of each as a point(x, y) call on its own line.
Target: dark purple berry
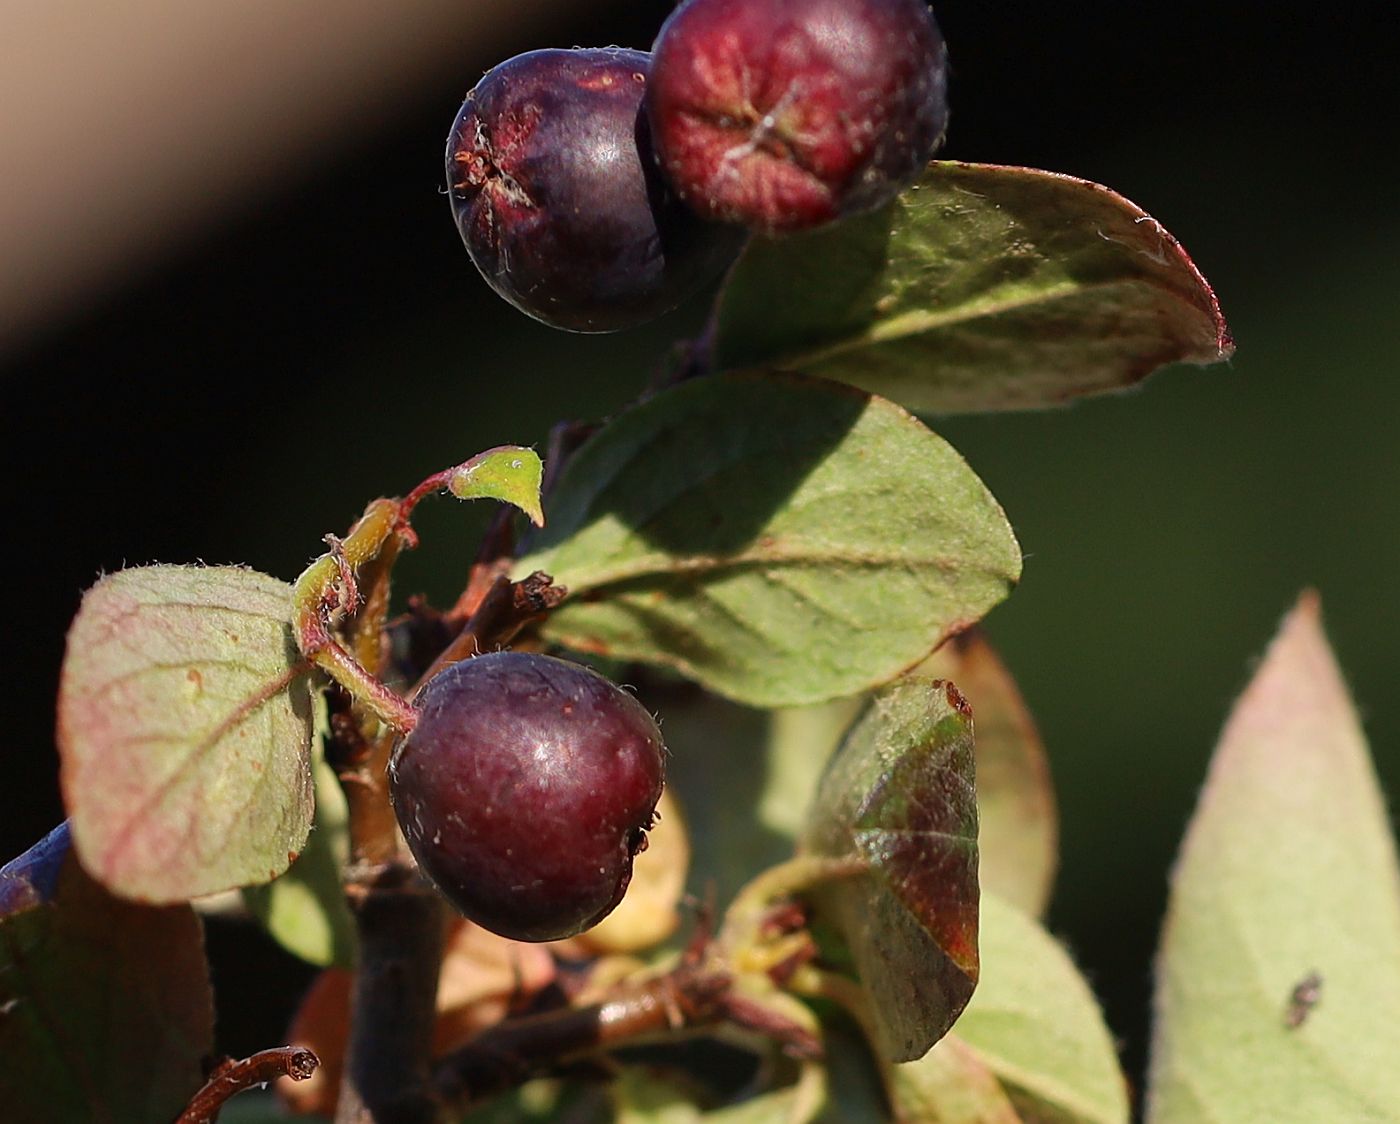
point(525, 790)
point(786, 114)
point(557, 197)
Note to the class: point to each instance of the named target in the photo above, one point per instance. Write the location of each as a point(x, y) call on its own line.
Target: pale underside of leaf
point(1035, 1024)
point(1288, 874)
point(184, 731)
point(781, 540)
point(981, 288)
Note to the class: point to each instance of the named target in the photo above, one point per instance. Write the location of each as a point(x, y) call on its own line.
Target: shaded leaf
point(304, 908)
point(980, 288)
point(1288, 871)
point(646, 1098)
point(899, 794)
point(30, 879)
point(105, 1008)
point(781, 540)
point(1018, 827)
point(511, 473)
point(1035, 1024)
point(948, 1085)
point(184, 732)
point(743, 777)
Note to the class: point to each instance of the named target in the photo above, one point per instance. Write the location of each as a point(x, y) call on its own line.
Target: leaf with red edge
point(184, 730)
point(1018, 825)
point(900, 795)
point(105, 1007)
point(979, 288)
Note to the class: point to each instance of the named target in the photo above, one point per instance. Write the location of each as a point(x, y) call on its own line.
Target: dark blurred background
point(233, 307)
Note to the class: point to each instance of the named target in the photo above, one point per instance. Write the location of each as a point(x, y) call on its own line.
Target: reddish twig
point(232, 1077)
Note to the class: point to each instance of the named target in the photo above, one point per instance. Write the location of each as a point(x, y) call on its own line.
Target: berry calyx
point(786, 114)
point(525, 790)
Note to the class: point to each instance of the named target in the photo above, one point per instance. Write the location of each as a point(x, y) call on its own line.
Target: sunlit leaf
point(981, 288)
point(304, 909)
point(510, 473)
point(781, 540)
point(1018, 827)
point(184, 732)
point(1034, 1023)
point(899, 794)
point(1278, 979)
point(949, 1085)
point(105, 1008)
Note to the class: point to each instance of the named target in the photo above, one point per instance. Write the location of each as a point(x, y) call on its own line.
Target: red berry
point(525, 790)
point(786, 114)
point(555, 191)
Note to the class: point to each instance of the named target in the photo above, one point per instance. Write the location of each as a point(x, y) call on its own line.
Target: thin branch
point(231, 1078)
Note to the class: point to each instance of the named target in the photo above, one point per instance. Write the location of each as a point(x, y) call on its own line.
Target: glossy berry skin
point(525, 790)
point(556, 194)
point(786, 114)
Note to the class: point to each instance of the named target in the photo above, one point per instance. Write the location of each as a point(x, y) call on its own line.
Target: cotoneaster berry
point(526, 789)
point(786, 114)
point(556, 194)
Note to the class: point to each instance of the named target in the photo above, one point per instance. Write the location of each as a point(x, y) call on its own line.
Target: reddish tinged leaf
point(1018, 827)
point(900, 795)
point(106, 1013)
point(1278, 977)
point(184, 731)
point(980, 288)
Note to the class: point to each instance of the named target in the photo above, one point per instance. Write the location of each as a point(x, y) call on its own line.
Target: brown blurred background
point(233, 307)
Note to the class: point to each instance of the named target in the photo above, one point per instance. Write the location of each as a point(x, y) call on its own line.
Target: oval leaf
point(1278, 978)
point(105, 1008)
point(781, 540)
point(1018, 827)
point(1035, 1024)
point(511, 473)
point(980, 288)
point(899, 794)
point(184, 732)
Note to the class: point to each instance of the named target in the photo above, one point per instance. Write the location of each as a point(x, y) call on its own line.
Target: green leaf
point(781, 540)
point(743, 777)
point(899, 795)
point(106, 1008)
point(949, 1085)
point(1018, 827)
point(1288, 871)
point(184, 732)
point(1035, 1024)
point(980, 288)
point(511, 473)
point(304, 908)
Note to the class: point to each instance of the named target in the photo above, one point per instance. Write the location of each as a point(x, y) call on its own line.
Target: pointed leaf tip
point(510, 473)
point(1280, 959)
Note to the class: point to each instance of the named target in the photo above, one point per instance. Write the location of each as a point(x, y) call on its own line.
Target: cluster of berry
point(596, 189)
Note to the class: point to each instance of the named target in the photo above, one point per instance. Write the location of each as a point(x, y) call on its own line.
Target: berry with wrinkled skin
point(555, 192)
point(786, 114)
point(526, 789)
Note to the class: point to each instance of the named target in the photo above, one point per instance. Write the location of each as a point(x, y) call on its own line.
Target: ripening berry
point(786, 114)
point(525, 790)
